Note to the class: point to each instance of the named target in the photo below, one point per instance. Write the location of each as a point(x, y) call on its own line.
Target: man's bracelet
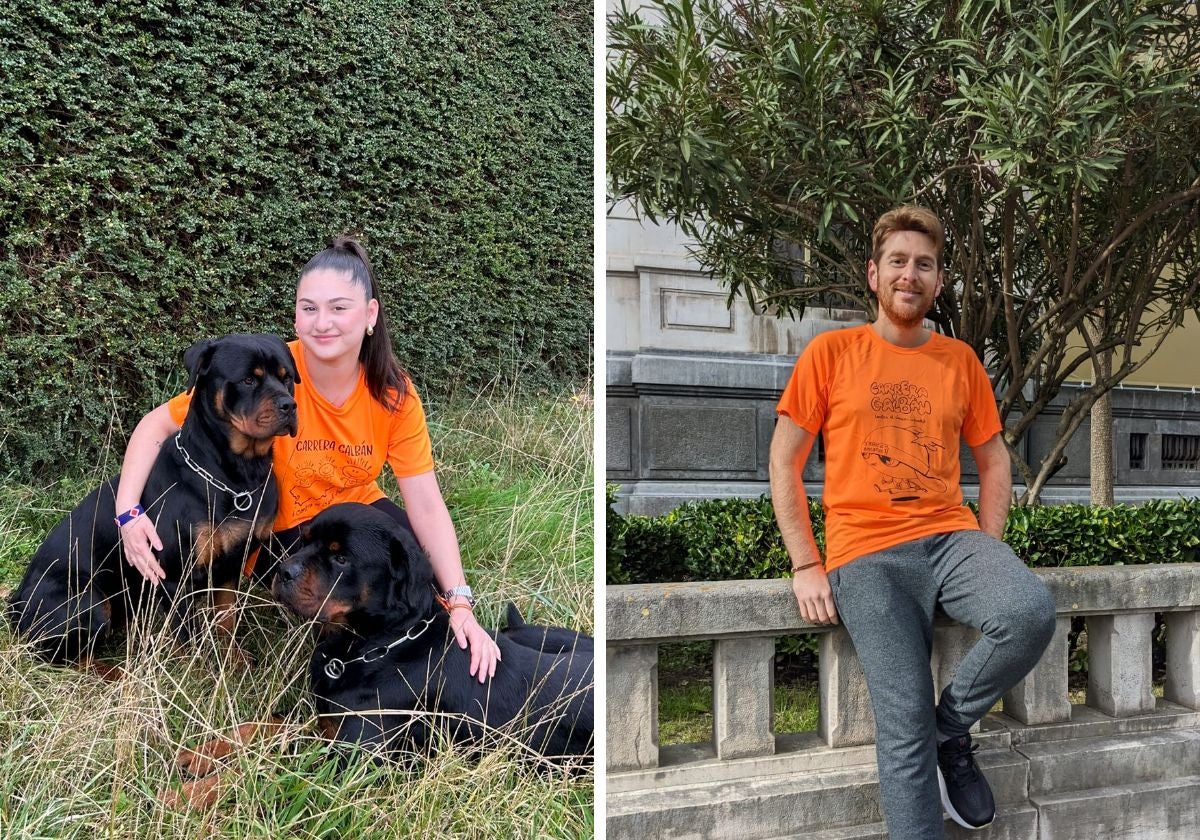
point(805, 566)
point(123, 519)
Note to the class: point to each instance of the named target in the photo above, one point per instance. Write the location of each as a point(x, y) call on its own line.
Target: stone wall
point(683, 425)
point(1122, 764)
point(692, 385)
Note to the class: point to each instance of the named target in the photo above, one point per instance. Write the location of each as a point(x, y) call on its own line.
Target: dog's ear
point(281, 353)
point(197, 359)
point(412, 576)
point(291, 363)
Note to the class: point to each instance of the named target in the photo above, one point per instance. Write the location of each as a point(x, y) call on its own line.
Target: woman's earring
point(370, 330)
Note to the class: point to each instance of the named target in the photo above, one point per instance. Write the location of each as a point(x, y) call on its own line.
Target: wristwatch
point(463, 591)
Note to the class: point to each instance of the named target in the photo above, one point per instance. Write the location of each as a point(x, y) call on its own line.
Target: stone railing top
point(666, 612)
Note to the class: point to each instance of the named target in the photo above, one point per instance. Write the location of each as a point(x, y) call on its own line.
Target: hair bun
point(346, 243)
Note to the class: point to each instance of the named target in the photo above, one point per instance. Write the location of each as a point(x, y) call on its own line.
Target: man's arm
point(995, 484)
point(790, 446)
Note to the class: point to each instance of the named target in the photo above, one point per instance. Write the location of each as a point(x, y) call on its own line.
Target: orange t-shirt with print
point(339, 452)
point(892, 418)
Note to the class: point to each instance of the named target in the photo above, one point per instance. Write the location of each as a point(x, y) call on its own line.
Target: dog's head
point(356, 567)
point(247, 384)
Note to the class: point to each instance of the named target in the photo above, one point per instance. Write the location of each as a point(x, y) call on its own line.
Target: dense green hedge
point(167, 167)
point(730, 539)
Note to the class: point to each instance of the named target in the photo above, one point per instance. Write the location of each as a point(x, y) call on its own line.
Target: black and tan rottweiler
point(386, 643)
point(387, 671)
point(210, 493)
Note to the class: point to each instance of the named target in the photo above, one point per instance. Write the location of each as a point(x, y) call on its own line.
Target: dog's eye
point(338, 559)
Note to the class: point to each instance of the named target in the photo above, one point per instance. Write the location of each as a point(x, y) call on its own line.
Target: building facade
point(692, 386)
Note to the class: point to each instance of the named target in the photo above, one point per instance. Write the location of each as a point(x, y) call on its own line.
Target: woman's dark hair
point(386, 379)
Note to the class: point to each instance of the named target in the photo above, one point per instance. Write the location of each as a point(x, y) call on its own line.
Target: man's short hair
point(908, 217)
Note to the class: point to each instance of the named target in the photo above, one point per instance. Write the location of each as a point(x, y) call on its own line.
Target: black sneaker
point(966, 795)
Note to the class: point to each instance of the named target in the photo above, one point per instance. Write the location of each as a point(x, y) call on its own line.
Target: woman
point(356, 408)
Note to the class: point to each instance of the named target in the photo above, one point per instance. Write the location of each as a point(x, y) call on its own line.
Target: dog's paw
point(202, 760)
point(200, 793)
point(104, 670)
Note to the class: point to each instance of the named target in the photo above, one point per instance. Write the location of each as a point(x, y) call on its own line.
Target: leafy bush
point(731, 539)
point(642, 549)
point(727, 539)
point(166, 169)
point(1160, 531)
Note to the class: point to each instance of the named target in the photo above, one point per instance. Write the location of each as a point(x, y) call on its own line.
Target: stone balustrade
point(743, 618)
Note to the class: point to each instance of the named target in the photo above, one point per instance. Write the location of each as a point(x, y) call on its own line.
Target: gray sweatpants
point(886, 601)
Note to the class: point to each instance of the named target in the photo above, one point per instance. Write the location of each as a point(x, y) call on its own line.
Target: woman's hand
point(485, 653)
point(138, 537)
point(140, 541)
point(431, 523)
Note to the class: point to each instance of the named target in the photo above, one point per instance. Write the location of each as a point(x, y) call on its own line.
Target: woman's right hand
point(140, 541)
point(138, 537)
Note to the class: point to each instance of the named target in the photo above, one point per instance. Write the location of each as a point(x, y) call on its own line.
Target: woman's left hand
point(485, 653)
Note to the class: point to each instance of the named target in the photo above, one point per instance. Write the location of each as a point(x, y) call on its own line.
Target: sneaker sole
point(954, 815)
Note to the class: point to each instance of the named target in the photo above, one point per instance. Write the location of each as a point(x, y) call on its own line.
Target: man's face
point(906, 279)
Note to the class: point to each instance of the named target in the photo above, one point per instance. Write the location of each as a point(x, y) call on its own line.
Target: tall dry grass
point(83, 758)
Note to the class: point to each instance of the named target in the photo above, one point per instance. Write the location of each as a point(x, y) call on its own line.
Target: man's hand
point(790, 447)
point(995, 484)
point(811, 588)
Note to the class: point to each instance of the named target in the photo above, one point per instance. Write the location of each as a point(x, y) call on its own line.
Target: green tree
point(1058, 143)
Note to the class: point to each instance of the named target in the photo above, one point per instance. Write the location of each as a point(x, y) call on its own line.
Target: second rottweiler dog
point(210, 493)
point(387, 671)
point(386, 644)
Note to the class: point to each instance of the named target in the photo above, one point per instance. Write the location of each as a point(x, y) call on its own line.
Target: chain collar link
point(241, 500)
point(334, 668)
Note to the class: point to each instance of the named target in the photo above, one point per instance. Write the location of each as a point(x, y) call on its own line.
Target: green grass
point(83, 758)
point(685, 711)
point(685, 694)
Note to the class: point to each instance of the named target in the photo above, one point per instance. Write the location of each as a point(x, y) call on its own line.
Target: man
point(893, 400)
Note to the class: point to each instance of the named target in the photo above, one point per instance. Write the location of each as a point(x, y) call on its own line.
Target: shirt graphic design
point(906, 459)
point(314, 465)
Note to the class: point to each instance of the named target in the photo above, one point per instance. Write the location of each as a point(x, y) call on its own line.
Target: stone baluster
point(743, 689)
point(1043, 696)
point(846, 716)
point(1119, 672)
point(1183, 659)
point(951, 644)
point(632, 725)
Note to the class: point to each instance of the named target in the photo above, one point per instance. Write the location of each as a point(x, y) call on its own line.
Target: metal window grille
point(1181, 452)
point(1137, 451)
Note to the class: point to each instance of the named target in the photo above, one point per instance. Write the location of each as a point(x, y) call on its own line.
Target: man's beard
point(905, 316)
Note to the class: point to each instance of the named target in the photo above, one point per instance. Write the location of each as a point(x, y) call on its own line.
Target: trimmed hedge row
point(730, 539)
point(166, 168)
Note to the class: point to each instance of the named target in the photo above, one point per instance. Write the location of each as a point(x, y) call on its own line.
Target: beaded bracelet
point(123, 519)
point(448, 607)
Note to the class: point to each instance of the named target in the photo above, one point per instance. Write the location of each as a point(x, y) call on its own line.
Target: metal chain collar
point(241, 500)
point(334, 668)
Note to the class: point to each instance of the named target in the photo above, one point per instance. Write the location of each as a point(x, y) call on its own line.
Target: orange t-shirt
point(892, 418)
point(339, 451)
